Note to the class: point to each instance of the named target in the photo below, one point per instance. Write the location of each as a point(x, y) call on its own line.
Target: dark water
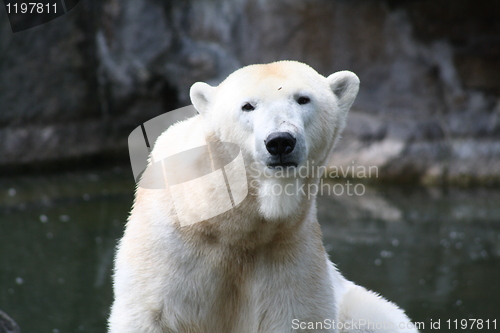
point(436, 253)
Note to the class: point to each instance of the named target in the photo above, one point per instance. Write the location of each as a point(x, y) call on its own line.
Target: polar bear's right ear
point(201, 95)
point(345, 86)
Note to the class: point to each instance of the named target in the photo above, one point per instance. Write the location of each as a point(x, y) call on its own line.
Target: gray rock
point(428, 109)
point(7, 324)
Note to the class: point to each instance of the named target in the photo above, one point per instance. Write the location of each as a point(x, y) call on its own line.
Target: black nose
point(280, 143)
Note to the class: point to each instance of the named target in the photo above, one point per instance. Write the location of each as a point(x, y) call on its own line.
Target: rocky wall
point(428, 108)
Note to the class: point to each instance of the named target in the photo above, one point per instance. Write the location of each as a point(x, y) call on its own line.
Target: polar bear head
point(283, 115)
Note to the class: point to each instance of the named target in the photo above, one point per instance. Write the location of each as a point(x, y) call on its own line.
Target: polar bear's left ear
point(201, 95)
point(345, 86)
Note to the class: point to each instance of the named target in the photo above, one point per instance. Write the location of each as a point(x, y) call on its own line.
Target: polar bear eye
point(303, 100)
point(248, 107)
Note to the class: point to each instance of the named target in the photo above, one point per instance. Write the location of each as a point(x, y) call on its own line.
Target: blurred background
point(425, 233)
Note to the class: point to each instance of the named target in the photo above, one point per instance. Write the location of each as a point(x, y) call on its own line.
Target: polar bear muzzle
point(280, 145)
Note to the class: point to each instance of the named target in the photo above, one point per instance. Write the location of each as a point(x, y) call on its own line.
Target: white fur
point(261, 265)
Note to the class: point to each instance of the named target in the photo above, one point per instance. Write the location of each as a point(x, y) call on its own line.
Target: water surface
point(435, 253)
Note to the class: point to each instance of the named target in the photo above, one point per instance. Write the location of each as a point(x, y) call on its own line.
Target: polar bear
point(260, 265)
